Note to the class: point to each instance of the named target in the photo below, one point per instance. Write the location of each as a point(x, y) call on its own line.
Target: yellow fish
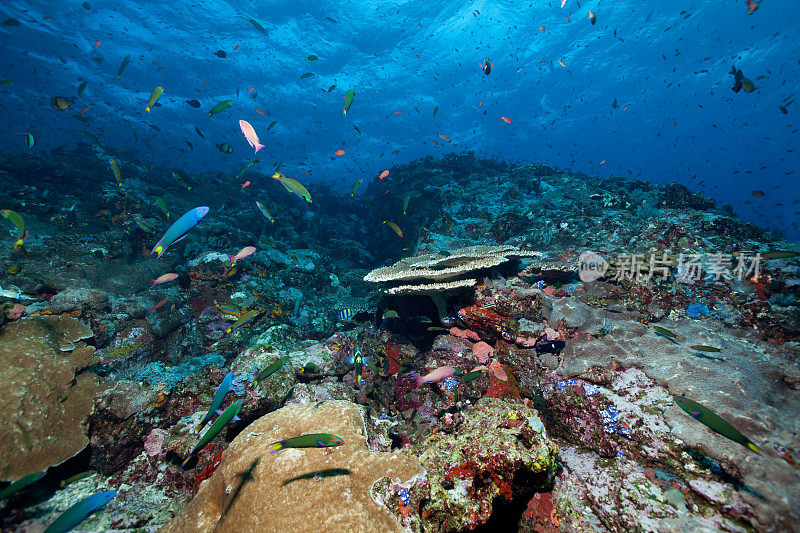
point(394, 227)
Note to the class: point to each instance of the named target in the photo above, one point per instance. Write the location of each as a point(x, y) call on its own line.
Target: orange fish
point(505, 119)
point(396, 152)
point(96, 44)
point(592, 17)
point(751, 7)
point(260, 111)
point(444, 137)
point(626, 107)
point(480, 103)
point(568, 19)
point(205, 83)
point(383, 174)
point(159, 304)
point(235, 47)
point(339, 152)
point(562, 63)
point(251, 89)
point(603, 162)
point(245, 184)
point(85, 109)
point(306, 173)
point(398, 111)
point(541, 28)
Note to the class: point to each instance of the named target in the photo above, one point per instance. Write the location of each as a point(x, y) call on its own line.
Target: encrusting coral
point(298, 489)
point(46, 396)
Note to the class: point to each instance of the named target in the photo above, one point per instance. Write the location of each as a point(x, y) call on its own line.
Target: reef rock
point(297, 489)
point(46, 396)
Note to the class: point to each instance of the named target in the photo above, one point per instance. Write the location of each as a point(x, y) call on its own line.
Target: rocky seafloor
point(568, 421)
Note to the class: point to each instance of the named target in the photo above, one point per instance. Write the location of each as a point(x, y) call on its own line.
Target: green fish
point(310, 440)
point(222, 390)
point(220, 107)
point(154, 96)
point(29, 140)
point(183, 179)
point(11, 22)
point(6, 83)
point(82, 87)
point(331, 20)
point(272, 125)
point(91, 136)
point(76, 477)
point(406, 199)
point(332, 87)
point(78, 512)
point(162, 205)
point(294, 186)
point(200, 133)
point(319, 474)
point(358, 131)
point(21, 483)
point(705, 348)
point(271, 369)
point(264, 211)
point(123, 65)
point(15, 219)
point(348, 100)
point(226, 416)
point(714, 422)
point(667, 334)
point(312, 57)
point(258, 26)
point(468, 376)
point(435, 110)
point(225, 148)
point(248, 165)
point(780, 254)
point(306, 75)
point(244, 320)
point(356, 185)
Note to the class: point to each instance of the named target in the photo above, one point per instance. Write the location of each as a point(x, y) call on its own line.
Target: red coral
point(481, 319)
point(463, 470)
point(209, 468)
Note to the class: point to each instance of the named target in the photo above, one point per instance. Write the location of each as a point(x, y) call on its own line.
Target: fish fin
point(215, 388)
point(419, 380)
point(276, 446)
point(258, 147)
point(754, 448)
point(219, 411)
point(236, 419)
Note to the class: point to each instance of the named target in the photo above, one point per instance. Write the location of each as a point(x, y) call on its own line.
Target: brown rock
point(277, 498)
point(45, 397)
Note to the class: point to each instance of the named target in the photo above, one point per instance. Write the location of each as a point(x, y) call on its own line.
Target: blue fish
point(78, 512)
point(178, 230)
point(219, 397)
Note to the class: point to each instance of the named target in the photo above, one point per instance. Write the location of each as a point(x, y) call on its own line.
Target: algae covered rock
point(298, 489)
point(500, 449)
point(46, 394)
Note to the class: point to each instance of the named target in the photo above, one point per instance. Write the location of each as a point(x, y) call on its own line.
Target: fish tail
point(419, 380)
point(276, 446)
point(147, 109)
point(186, 461)
point(259, 147)
point(152, 283)
point(198, 428)
point(754, 447)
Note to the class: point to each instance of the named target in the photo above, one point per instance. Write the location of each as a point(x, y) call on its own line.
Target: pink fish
point(247, 251)
point(435, 375)
point(250, 135)
point(163, 278)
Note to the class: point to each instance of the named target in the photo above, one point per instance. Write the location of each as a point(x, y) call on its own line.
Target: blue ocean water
point(645, 92)
point(470, 265)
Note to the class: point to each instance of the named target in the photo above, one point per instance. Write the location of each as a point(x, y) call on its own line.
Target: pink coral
point(483, 352)
point(16, 312)
point(551, 334)
point(154, 441)
point(464, 334)
point(498, 370)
